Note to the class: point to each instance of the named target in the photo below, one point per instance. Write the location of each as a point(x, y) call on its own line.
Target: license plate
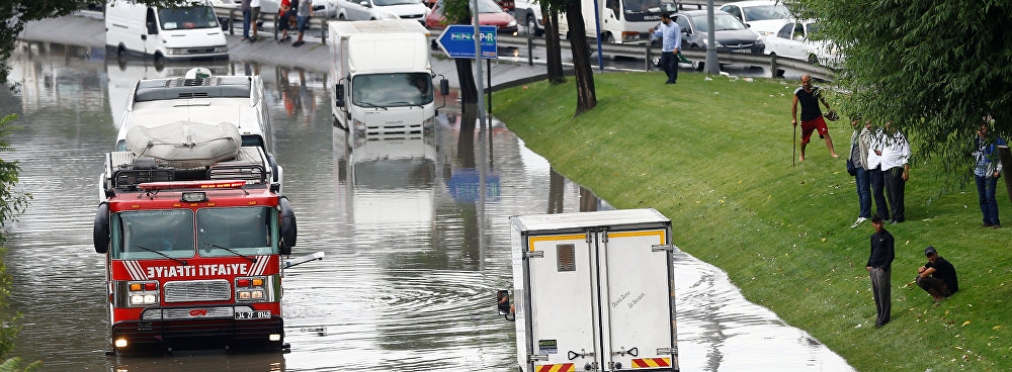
point(741, 51)
point(259, 314)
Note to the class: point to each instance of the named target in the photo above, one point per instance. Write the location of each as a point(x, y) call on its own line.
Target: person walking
point(302, 16)
point(859, 144)
point(254, 16)
point(247, 12)
point(811, 115)
point(937, 277)
point(986, 172)
point(879, 268)
point(875, 176)
point(671, 40)
point(896, 171)
point(285, 18)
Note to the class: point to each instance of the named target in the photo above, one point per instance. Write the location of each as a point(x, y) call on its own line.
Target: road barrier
point(233, 14)
point(649, 53)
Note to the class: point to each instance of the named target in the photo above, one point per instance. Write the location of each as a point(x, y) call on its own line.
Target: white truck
point(622, 21)
point(593, 291)
point(383, 76)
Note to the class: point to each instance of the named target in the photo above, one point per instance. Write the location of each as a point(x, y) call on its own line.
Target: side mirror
point(444, 87)
point(152, 28)
point(339, 95)
point(289, 229)
point(365, 4)
point(502, 299)
point(101, 230)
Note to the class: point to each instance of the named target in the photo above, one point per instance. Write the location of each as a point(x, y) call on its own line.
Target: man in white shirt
point(895, 156)
point(875, 176)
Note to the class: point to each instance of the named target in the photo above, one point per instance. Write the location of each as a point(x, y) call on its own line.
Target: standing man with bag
point(671, 37)
point(880, 270)
point(811, 115)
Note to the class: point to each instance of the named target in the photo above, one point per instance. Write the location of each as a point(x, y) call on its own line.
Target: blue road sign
point(457, 41)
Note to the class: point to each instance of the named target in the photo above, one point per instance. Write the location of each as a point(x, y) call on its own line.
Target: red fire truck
point(193, 253)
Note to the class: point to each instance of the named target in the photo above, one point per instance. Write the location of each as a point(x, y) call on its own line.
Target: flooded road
point(413, 254)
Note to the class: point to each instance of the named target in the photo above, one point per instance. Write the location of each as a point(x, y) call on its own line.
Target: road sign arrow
point(457, 41)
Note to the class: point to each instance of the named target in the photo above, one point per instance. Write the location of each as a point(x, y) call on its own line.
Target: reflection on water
point(415, 230)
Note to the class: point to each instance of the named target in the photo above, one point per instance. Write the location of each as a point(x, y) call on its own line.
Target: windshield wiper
point(406, 103)
point(367, 104)
point(181, 262)
point(229, 250)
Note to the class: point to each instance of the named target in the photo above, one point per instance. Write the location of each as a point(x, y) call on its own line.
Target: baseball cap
point(929, 251)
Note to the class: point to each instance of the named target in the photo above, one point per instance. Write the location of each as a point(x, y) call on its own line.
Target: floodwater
point(415, 251)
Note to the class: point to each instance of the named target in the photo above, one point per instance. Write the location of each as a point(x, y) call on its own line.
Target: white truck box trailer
point(383, 76)
point(593, 291)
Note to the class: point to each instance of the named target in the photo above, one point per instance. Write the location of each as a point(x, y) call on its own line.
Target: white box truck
point(622, 21)
point(185, 32)
point(383, 76)
point(593, 291)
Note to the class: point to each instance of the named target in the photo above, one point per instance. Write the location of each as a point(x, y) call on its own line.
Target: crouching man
point(937, 277)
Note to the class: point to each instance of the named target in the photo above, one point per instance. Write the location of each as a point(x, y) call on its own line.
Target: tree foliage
point(932, 68)
point(12, 203)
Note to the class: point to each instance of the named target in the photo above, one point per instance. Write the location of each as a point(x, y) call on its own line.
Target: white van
point(186, 32)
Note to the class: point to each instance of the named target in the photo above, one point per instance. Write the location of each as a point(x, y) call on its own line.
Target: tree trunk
point(468, 89)
point(586, 97)
point(553, 46)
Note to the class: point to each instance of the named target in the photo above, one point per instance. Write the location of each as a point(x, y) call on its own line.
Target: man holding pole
point(811, 115)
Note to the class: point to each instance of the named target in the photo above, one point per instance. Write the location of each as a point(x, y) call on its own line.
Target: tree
point(934, 69)
point(459, 12)
point(586, 95)
point(553, 47)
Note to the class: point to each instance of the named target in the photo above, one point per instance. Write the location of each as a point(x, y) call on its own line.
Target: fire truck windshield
point(159, 234)
point(153, 234)
point(236, 231)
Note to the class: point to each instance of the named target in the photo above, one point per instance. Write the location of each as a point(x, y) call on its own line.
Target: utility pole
point(712, 66)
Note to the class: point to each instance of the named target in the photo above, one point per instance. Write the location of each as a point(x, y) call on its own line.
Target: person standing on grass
point(986, 172)
point(896, 171)
point(859, 144)
point(811, 115)
point(302, 16)
point(671, 40)
point(247, 12)
point(875, 176)
point(879, 268)
point(937, 277)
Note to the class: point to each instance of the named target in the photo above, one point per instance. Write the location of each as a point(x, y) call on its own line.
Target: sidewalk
point(88, 29)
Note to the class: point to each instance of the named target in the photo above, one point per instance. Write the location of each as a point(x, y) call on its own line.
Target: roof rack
point(183, 88)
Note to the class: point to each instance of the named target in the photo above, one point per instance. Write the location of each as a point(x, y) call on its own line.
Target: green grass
point(715, 157)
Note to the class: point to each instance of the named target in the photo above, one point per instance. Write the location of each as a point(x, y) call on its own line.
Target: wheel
point(532, 26)
point(340, 17)
point(159, 61)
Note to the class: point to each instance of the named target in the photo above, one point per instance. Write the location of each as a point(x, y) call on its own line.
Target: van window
point(188, 17)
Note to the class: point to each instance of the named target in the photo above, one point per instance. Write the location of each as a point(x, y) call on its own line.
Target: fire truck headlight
point(136, 299)
point(258, 295)
point(274, 337)
point(244, 295)
point(150, 299)
point(121, 343)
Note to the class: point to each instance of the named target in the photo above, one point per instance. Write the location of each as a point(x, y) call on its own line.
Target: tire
point(532, 26)
point(159, 61)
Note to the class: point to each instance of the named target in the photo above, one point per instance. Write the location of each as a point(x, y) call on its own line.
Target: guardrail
point(233, 14)
point(648, 53)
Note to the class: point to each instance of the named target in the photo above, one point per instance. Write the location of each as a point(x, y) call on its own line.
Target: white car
point(764, 17)
point(364, 10)
point(528, 13)
point(792, 41)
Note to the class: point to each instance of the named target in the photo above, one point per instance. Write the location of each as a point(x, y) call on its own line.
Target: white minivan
point(178, 33)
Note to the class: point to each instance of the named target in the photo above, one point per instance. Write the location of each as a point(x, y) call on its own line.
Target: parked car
point(321, 8)
point(364, 10)
point(491, 14)
point(764, 17)
point(731, 35)
point(793, 40)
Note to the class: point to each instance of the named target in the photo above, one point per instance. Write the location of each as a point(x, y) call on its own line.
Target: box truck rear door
point(640, 307)
point(561, 312)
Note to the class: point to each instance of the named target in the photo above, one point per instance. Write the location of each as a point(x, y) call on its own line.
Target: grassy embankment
point(715, 157)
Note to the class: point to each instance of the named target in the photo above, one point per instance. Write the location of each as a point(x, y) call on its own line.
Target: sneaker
point(284, 39)
point(858, 222)
point(297, 43)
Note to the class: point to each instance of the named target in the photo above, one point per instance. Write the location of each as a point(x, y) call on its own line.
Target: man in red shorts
point(811, 115)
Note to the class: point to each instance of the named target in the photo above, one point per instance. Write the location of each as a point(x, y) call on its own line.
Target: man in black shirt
point(879, 269)
point(811, 115)
point(938, 276)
